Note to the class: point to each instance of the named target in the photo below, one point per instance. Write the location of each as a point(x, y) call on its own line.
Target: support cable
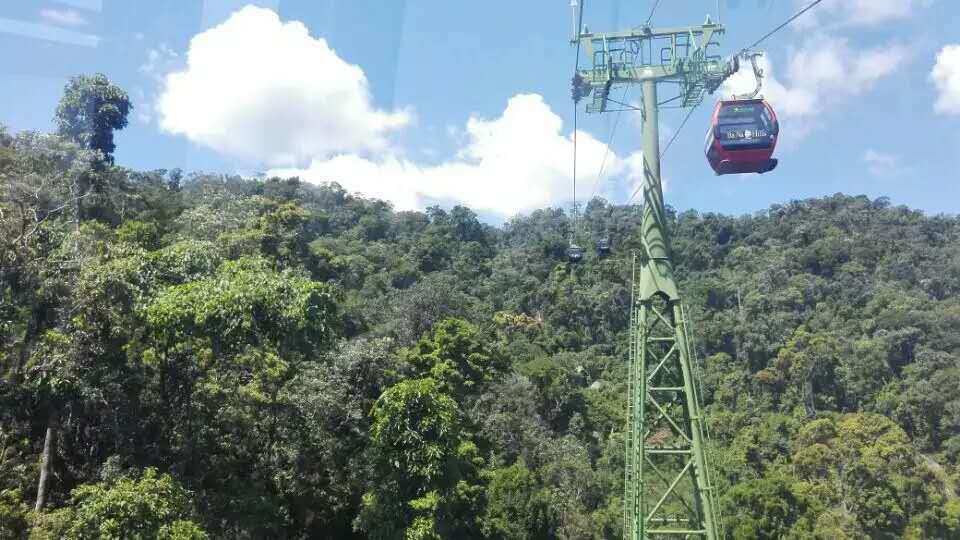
point(784, 25)
point(652, 11)
point(667, 147)
point(576, 66)
point(575, 217)
point(613, 131)
point(676, 133)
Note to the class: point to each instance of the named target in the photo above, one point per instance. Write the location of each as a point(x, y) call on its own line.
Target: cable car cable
point(613, 131)
point(652, 11)
point(626, 106)
point(787, 22)
point(667, 147)
point(576, 66)
point(574, 167)
point(677, 132)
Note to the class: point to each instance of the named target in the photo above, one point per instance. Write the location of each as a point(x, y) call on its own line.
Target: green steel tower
point(667, 486)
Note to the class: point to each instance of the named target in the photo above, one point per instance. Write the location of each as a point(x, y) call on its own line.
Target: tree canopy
point(191, 356)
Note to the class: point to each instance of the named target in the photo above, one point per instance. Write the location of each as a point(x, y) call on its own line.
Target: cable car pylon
point(668, 492)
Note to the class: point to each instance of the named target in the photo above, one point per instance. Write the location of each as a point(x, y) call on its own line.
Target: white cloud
point(514, 163)
point(797, 101)
point(822, 73)
point(62, 17)
point(823, 69)
point(883, 164)
point(262, 90)
point(836, 13)
point(946, 78)
point(159, 62)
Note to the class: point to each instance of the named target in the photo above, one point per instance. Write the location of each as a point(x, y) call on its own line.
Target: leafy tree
point(152, 506)
point(517, 506)
point(90, 110)
point(809, 361)
point(427, 466)
point(455, 355)
point(761, 509)
point(224, 348)
point(313, 364)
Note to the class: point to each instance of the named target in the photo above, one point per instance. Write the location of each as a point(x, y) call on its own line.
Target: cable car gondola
point(574, 253)
point(603, 246)
point(742, 137)
point(743, 132)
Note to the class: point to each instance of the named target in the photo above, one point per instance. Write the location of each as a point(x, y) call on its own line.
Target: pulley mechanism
point(757, 73)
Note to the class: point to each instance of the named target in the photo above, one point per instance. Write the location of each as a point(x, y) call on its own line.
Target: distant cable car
point(603, 246)
point(742, 137)
point(574, 253)
point(743, 131)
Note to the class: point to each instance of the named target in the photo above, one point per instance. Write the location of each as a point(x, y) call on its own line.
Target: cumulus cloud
point(796, 101)
point(62, 17)
point(822, 69)
point(514, 163)
point(261, 89)
point(824, 72)
point(838, 13)
point(946, 78)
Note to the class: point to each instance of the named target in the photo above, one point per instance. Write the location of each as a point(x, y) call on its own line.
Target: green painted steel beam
point(678, 54)
point(667, 478)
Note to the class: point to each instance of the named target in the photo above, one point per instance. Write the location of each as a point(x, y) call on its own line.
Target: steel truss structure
point(668, 491)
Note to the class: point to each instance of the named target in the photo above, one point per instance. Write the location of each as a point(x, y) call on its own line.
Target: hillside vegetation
point(195, 356)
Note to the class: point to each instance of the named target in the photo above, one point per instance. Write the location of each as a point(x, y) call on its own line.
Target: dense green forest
point(188, 356)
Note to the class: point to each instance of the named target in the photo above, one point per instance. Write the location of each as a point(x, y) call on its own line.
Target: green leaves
point(153, 506)
point(454, 354)
point(762, 509)
point(477, 387)
point(517, 506)
point(246, 302)
point(90, 110)
point(418, 426)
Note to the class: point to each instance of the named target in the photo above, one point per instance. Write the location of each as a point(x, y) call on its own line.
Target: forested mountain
point(197, 356)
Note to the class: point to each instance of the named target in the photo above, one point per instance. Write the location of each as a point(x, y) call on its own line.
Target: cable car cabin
point(742, 137)
point(603, 246)
point(574, 253)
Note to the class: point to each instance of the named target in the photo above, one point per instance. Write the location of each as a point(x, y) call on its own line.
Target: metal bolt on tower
point(667, 486)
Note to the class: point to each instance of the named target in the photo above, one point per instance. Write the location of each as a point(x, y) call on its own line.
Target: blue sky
point(430, 101)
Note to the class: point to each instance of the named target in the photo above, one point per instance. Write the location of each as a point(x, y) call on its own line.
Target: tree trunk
point(808, 397)
point(46, 462)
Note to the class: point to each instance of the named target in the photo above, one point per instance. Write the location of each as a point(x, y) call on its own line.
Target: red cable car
point(742, 137)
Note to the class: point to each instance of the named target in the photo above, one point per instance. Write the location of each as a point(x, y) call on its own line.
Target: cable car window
point(765, 119)
point(740, 114)
point(744, 126)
